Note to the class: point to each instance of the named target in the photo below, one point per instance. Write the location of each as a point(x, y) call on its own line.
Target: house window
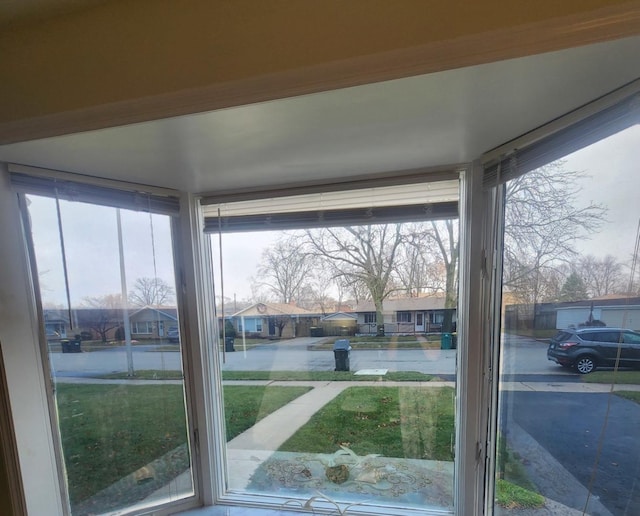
point(302, 263)
point(142, 327)
point(122, 446)
point(404, 317)
point(370, 318)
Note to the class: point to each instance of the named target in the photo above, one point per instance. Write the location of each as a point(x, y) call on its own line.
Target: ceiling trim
point(613, 22)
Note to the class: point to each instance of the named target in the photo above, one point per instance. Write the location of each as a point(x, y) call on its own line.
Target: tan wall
point(122, 50)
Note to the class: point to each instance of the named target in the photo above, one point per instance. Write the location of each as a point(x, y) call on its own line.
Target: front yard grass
point(514, 490)
point(629, 395)
point(110, 431)
point(404, 422)
point(534, 334)
point(621, 377)
point(328, 376)
point(431, 341)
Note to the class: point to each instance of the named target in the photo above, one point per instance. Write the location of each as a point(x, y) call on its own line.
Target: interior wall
point(122, 50)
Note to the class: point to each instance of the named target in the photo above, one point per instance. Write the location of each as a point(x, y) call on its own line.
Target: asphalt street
point(520, 356)
point(570, 427)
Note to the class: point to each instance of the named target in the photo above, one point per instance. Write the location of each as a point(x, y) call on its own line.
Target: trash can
point(446, 341)
point(316, 331)
point(71, 345)
point(228, 344)
point(341, 349)
point(454, 341)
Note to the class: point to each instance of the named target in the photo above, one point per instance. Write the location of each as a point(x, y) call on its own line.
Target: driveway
point(568, 427)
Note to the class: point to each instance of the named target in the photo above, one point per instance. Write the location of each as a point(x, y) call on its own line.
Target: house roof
point(401, 304)
point(340, 316)
point(170, 312)
point(266, 309)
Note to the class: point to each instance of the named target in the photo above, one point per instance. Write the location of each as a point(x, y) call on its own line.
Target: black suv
point(587, 348)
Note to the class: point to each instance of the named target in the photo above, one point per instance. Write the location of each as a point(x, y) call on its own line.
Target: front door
point(419, 322)
point(272, 327)
point(160, 328)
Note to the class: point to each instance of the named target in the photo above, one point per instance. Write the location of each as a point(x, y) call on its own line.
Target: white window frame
point(471, 420)
point(148, 327)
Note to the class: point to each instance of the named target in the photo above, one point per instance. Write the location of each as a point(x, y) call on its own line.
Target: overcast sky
point(91, 243)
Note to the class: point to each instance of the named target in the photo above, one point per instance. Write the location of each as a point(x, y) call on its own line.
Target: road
point(521, 356)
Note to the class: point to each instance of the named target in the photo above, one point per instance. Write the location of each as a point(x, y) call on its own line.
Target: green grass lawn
point(110, 431)
point(630, 395)
point(621, 377)
point(246, 405)
point(534, 334)
point(514, 490)
point(405, 422)
point(343, 376)
point(392, 341)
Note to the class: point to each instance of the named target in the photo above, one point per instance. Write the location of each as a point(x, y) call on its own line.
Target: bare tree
point(151, 292)
point(285, 270)
point(365, 254)
point(602, 276)
point(101, 314)
point(421, 266)
point(543, 220)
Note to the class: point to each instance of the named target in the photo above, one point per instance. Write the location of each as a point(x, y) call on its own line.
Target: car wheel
point(585, 365)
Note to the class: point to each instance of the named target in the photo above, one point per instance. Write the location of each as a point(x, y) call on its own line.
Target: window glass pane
point(568, 402)
point(117, 374)
point(330, 388)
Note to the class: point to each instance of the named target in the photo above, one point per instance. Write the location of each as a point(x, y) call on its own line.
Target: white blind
point(71, 187)
point(368, 205)
point(587, 126)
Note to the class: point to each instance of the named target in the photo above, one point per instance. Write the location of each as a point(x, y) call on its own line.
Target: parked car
point(586, 349)
point(173, 334)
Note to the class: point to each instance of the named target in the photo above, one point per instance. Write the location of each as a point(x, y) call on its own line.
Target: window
point(570, 257)
point(404, 317)
point(630, 338)
point(386, 446)
point(370, 318)
point(145, 327)
point(122, 445)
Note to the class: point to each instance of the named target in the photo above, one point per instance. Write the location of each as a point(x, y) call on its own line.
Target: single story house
point(271, 320)
point(424, 314)
point(152, 323)
point(107, 323)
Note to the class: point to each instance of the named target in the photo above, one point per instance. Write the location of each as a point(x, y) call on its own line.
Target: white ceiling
point(431, 120)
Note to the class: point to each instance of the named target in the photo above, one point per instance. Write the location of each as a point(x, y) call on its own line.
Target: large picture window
point(313, 267)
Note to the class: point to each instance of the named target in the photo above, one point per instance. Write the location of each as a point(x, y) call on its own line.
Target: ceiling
point(27, 11)
point(431, 120)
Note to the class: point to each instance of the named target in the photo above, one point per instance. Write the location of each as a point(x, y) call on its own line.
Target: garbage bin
point(316, 331)
point(228, 344)
point(446, 341)
point(454, 341)
point(341, 349)
point(71, 345)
